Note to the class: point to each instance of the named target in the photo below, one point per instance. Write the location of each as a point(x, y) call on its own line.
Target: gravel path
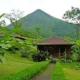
point(45, 74)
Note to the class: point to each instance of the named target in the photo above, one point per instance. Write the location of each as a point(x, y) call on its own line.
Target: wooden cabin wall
point(68, 51)
point(54, 50)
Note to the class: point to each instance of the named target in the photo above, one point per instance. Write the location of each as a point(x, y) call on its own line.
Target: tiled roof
point(15, 36)
point(1, 35)
point(18, 36)
point(54, 41)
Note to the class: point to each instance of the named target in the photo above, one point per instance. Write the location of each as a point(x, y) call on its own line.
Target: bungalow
point(55, 46)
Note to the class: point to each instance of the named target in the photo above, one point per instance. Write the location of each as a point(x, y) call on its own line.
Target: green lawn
point(71, 73)
point(14, 63)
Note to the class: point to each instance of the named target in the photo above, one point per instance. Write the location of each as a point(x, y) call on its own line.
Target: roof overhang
point(53, 44)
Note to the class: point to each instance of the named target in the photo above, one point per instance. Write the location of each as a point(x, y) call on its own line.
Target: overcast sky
point(55, 8)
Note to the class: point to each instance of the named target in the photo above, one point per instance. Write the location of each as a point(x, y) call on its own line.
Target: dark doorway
point(62, 50)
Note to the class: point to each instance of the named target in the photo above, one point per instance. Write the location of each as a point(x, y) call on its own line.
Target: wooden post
point(65, 49)
point(37, 49)
point(59, 51)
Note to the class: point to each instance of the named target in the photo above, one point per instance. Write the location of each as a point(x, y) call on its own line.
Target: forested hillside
point(48, 25)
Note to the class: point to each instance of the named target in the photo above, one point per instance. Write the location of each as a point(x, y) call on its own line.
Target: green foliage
point(5, 46)
point(37, 32)
point(3, 30)
point(12, 44)
point(28, 73)
point(27, 48)
point(2, 53)
point(8, 42)
point(74, 57)
point(68, 39)
point(73, 16)
point(76, 49)
point(58, 73)
point(2, 23)
point(24, 52)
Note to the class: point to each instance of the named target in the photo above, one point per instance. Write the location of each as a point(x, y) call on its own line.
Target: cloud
point(54, 7)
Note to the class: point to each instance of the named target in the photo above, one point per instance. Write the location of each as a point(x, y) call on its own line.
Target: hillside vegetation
point(48, 25)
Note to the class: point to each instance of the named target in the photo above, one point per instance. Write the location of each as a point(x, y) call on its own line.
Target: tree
point(68, 38)
point(14, 17)
point(73, 16)
point(37, 31)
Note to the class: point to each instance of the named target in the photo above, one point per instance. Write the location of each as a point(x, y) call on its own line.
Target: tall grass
point(58, 73)
point(26, 74)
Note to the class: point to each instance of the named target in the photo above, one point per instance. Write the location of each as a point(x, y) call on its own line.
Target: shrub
point(76, 49)
point(28, 73)
point(58, 73)
point(41, 56)
point(74, 57)
point(12, 48)
point(24, 53)
point(37, 57)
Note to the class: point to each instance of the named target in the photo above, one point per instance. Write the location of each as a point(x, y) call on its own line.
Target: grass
point(14, 67)
point(11, 67)
point(58, 73)
point(71, 72)
point(17, 57)
point(27, 73)
point(14, 63)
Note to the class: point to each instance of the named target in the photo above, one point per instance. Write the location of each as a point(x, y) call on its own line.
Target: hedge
point(28, 73)
point(58, 73)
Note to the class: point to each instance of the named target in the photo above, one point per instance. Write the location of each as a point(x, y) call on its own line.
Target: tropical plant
point(73, 16)
point(76, 49)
